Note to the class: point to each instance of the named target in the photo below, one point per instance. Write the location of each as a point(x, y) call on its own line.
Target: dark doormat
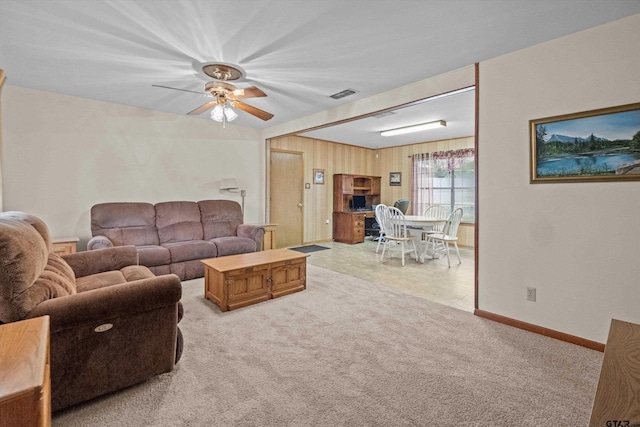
point(309, 248)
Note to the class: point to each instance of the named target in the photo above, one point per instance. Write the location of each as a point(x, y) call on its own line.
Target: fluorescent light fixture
point(414, 128)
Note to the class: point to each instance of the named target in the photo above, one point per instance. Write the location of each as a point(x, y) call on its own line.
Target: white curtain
point(427, 165)
point(422, 183)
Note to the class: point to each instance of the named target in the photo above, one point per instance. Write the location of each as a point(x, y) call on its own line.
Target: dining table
point(424, 223)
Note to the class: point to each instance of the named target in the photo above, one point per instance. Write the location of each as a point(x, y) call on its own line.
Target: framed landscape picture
point(597, 145)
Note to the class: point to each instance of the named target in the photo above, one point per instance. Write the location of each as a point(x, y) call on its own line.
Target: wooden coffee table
point(236, 281)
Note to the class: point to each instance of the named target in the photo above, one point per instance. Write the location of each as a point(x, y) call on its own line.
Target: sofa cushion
point(195, 249)
point(23, 258)
point(125, 223)
point(178, 222)
point(154, 255)
point(100, 280)
point(234, 245)
point(220, 218)
point(136, 272)
point(187, 270)
point(113, 277)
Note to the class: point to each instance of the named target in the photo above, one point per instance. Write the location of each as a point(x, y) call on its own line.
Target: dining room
point(431, 279)
point(415, 254)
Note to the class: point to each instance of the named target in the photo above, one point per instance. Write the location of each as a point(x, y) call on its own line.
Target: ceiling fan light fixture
point(229, 113)
point(217, 113)
point(414, 128)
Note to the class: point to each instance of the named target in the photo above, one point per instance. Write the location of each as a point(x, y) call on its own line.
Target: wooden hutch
point(349, 225)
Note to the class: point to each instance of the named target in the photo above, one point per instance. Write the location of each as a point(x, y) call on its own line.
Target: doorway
point(286, 177)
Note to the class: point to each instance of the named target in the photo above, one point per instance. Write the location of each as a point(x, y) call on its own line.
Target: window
point(445, 178)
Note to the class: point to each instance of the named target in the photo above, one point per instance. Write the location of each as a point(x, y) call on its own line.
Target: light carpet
point(347, 352)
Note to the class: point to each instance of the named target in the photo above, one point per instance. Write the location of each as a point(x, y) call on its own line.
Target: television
point(358, 203)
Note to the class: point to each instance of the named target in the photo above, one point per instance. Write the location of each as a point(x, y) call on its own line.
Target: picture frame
point(588, 146)
point(318, 176)
point(395, 178)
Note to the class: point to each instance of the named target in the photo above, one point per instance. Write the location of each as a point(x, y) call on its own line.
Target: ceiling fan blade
point(204, 107)
point(250, 92)
point(176, 88)
point(261, 114)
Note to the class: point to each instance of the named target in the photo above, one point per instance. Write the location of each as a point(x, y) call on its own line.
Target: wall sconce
point(231, 186)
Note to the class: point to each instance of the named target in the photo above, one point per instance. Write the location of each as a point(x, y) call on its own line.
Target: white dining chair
point(395, 231)
point(436, 211)
point(378, 215)
point(448, 235)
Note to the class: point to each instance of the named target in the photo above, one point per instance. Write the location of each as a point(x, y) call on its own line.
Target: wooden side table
point(269, 239)
point(617, 400)
point(64, 245)
point(25, 384)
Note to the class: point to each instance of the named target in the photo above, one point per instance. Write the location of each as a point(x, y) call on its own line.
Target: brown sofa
point(113, 323)
point(172, 237)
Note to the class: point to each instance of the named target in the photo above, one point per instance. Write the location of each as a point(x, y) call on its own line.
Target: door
point(286, 188)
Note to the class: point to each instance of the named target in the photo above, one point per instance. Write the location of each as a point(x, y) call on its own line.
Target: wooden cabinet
point(348, 225)
point(25, 385)
point(239, 280)
point(346, 186)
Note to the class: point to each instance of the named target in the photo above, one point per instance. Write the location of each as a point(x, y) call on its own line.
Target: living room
point(62, 154)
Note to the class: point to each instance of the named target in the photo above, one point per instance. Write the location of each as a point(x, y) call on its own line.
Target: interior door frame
point(268, 152)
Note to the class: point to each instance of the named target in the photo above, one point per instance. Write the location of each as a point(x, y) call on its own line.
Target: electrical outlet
point(531, 294)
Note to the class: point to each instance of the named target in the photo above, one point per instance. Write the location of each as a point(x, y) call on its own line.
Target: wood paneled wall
point(340, 158)
point(333, 158)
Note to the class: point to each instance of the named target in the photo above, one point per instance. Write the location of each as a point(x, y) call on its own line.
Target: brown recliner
point(113, 322)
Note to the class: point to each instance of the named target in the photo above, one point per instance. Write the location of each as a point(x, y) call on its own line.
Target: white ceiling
point(297, 51)
point(456, 109)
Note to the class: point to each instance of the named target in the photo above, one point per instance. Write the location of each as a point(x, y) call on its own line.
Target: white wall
point(576, 243)
point(63, 154)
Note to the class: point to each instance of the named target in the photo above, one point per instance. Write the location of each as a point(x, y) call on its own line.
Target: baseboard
point(593, 345)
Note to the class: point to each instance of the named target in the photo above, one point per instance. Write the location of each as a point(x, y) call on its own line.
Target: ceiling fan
point(225, 94)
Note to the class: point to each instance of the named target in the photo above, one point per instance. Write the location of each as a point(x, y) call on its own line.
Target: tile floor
point(433, 280)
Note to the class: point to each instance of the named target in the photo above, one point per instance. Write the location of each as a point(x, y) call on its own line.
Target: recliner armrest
point(99, 305)
point(92, 262)
point(255, 232)
point(99, 242)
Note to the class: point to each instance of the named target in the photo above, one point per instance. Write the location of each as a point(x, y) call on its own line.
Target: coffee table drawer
point(247, 286)
point(288, 277)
